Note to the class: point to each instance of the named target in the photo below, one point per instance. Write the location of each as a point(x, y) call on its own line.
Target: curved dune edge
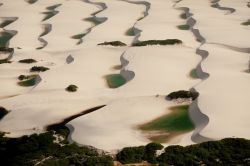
point(46, 29)
point(199, 119)
point(137, 31)
point(72, 117)
point(215, 4)
point(51, 12)
point(7, 20)
point(129, 75)
point(96, 20)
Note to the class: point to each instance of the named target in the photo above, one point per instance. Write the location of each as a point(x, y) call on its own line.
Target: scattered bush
point(72, 88)
point(246, 23)
point(3, 112)
point(23, 77)
point(38, 69)
point(112, 43)
point(183, 95)
point(183, 16)
point(157, 42)
point(27, 61)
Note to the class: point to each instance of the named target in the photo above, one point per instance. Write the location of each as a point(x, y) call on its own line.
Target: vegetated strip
point(67, 120)
point(157, 42)
point(93, 19)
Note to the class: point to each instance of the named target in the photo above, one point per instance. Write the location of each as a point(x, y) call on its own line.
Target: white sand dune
point(225, 92)
point(67, 24)
point(158, 70)
point(217, 27)
point(28, 16)
point(162, 22)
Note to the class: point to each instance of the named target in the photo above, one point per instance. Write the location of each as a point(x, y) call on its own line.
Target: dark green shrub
point(112, 43)
point(38, 69)
point(72, 88)
point(246, 23)
point(23, 77)
point(182, 94)
point(27, 61)
point(183, 27)
point(27, 80)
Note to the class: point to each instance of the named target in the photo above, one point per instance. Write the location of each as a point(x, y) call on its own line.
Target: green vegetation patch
point(115, 80)
point(4, 38)
point(193, 74)
point(112, 43)
point(130, 32)
point(27, 80)
point(27, 61)
point(157, 42)
point(183, 27)
point(177, 121)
